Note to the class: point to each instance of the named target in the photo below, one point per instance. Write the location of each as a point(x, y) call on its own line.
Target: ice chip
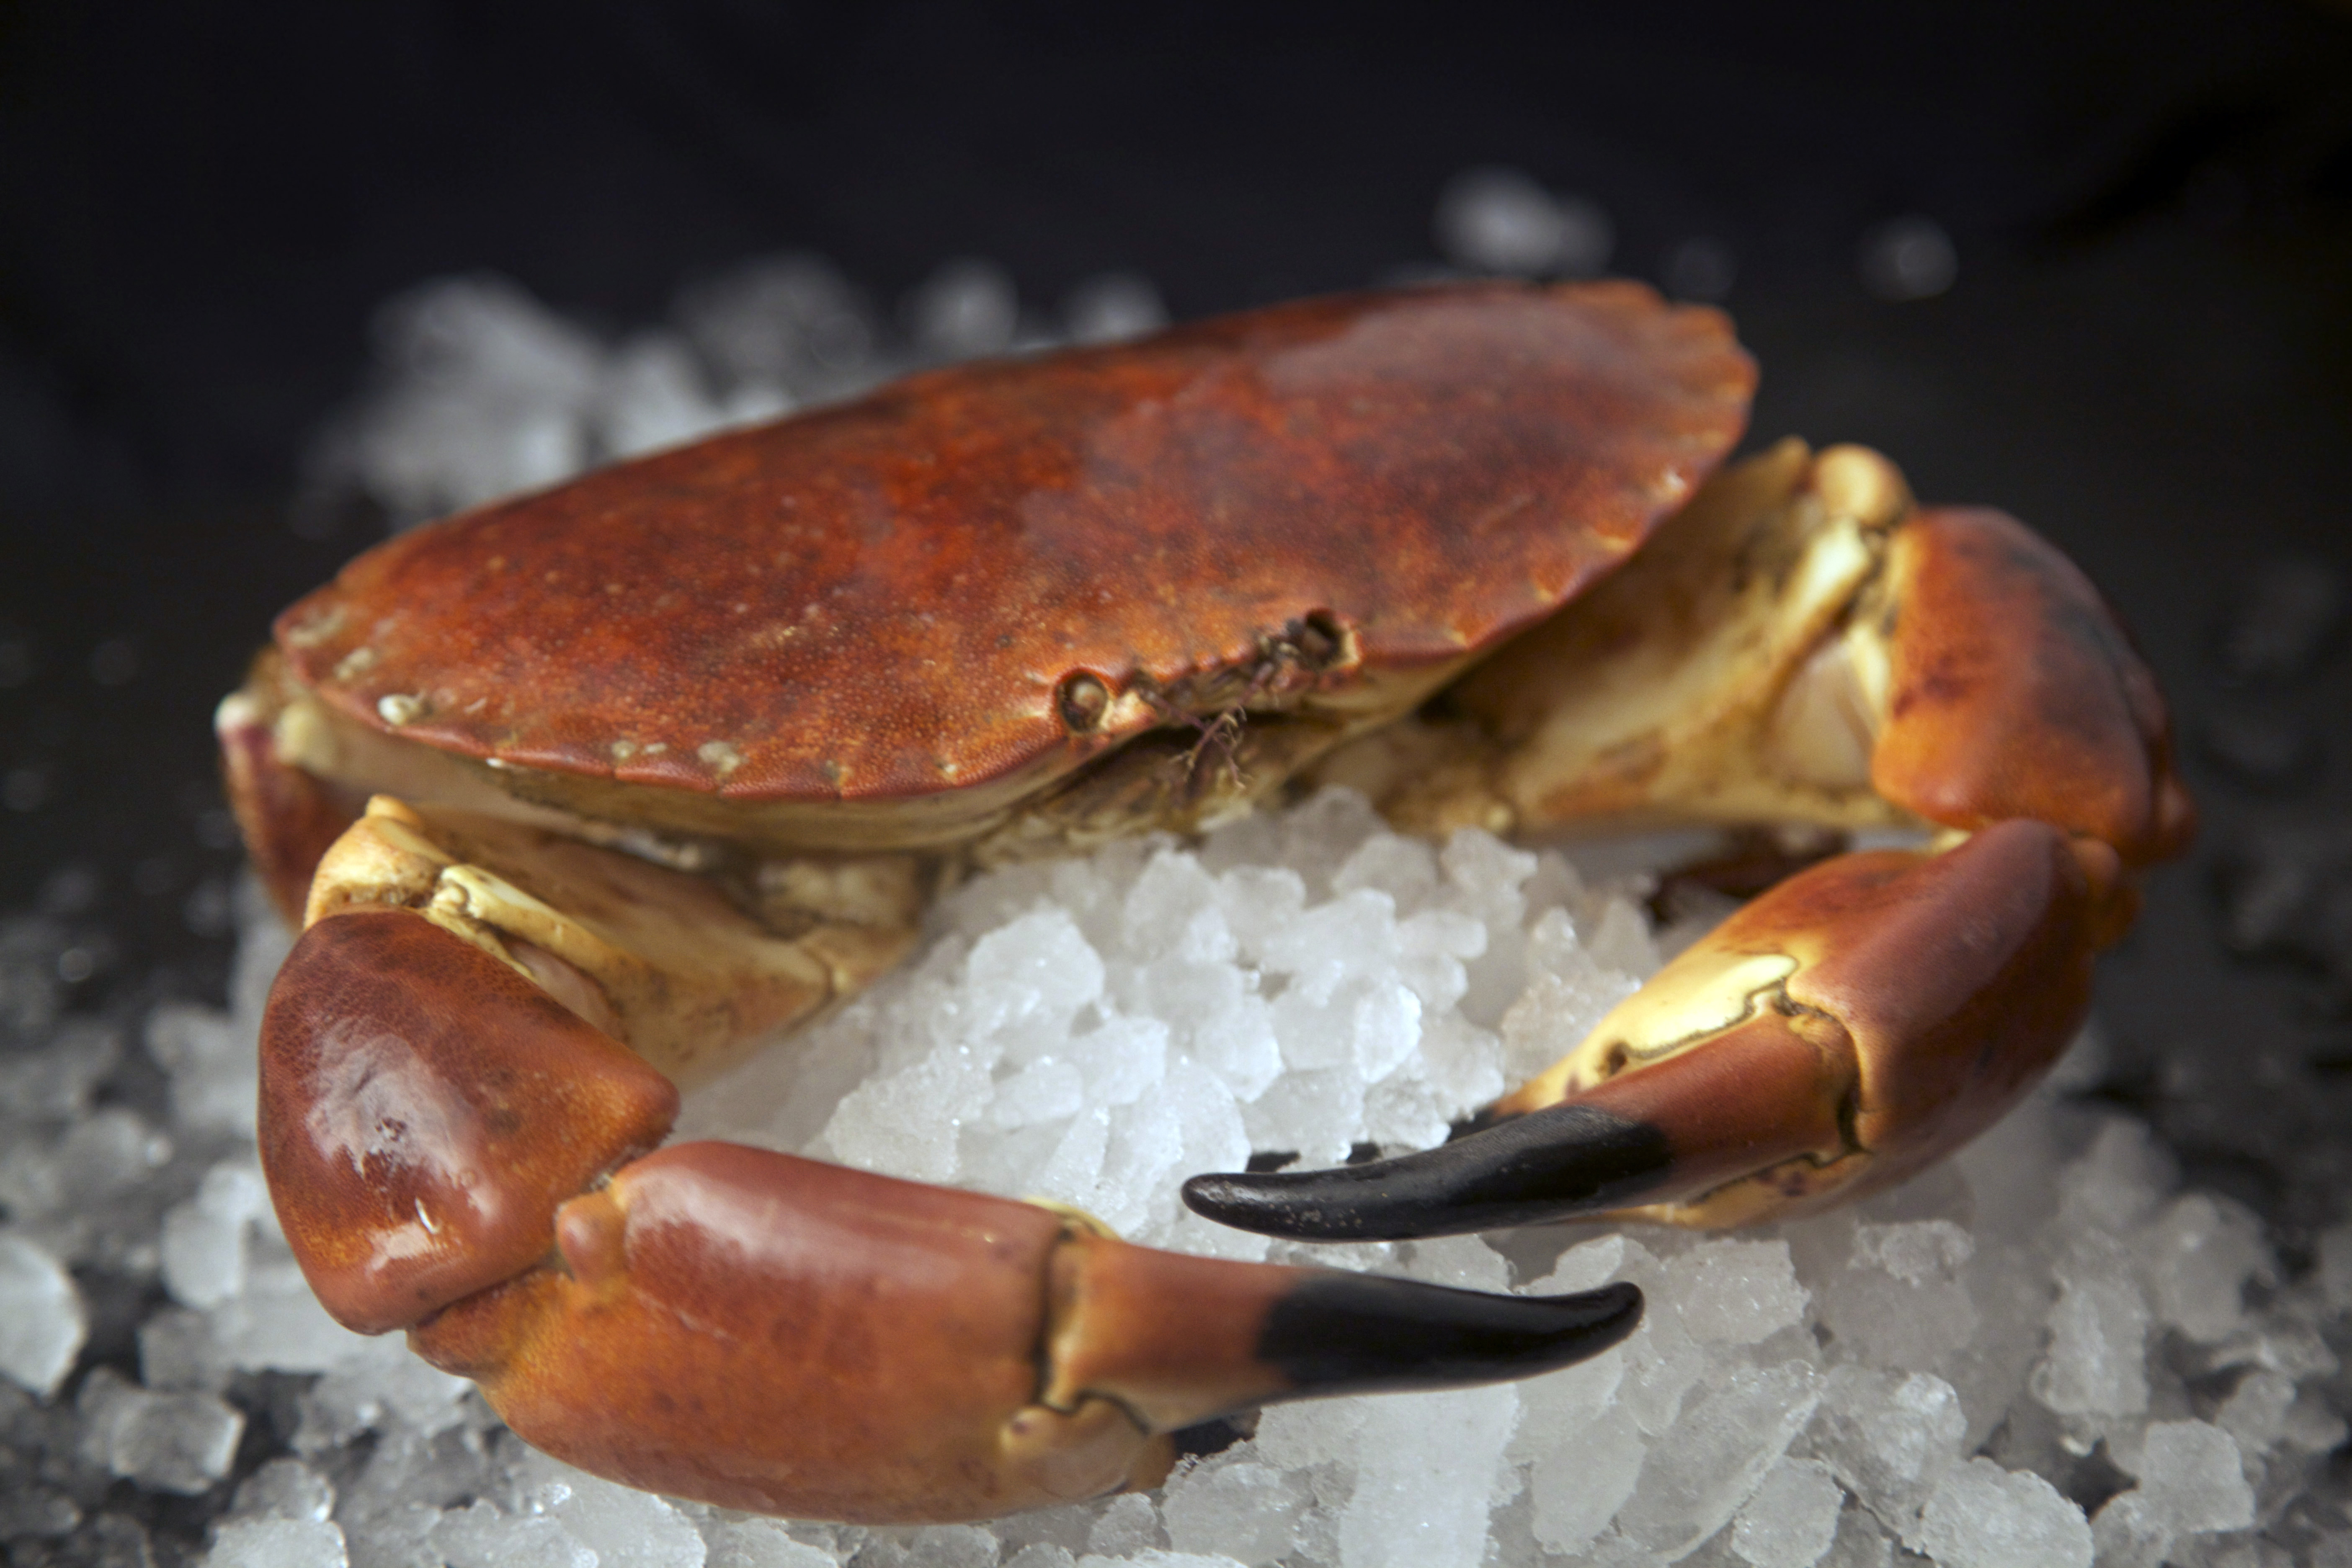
point(1049, 1089)
point(1258, 902)
point(1232, 1507)
point(1790, 1519)
point(1712, 1460)
point(1914, 1252)
point(1736, 1292)
point(2255, 1413)
point(1985, 1517)
point(42, 1321)
point(651, 395)
point(1425, 1467)
point(278, 1542)
point(625, 1528)
point(1891, 1438)
point(284, 1488)
point(1897, 1302)
point(484, 1536)
point(179, 1443)
point(2125, 1534)
point(1128, 1524)
point(1172, 890)
point(759, 1543)
point(2098, 1330)
point(2117, 1184)
point(2190, 1475)
point(965, 308)
point(2198, 1256)
point(1112, 306)
point(278, 1325)
point(1349, 936)
point(1585, 1470)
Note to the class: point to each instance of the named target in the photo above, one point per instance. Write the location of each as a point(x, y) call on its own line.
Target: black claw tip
point(1549, 1164)
point(1358, 1333)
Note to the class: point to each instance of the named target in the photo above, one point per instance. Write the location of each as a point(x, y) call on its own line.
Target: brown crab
point(663, 761)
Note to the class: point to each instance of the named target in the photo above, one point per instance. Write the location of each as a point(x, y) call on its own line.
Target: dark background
point(2147, 352)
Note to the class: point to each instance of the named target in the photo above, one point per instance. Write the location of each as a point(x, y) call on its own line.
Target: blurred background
point(2091, 263)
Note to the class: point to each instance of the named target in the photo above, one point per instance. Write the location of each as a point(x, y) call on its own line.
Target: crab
point(580, 797)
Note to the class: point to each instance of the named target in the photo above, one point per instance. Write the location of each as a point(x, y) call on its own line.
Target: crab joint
point(1860, 1020)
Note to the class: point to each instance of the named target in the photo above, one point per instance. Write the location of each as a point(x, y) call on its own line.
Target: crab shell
point(885, 624)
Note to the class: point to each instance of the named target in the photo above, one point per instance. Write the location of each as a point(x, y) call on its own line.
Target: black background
point(2147, 352)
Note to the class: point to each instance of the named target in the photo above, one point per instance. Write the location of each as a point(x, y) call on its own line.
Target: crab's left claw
point(1869, 1016)
point(454, 1150)
point(1857, 1021)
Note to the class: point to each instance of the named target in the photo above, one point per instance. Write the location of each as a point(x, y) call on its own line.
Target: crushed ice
point(1952, 1369)
point(2041, 1351)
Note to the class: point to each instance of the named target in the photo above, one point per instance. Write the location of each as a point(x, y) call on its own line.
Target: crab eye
point(1320, 639)
point(1082, 701)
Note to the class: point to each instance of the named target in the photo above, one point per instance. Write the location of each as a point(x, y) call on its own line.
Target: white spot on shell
point(400, 708)
point(359, 661)
point(720, 757)
point(623, 750)
point(311, 633)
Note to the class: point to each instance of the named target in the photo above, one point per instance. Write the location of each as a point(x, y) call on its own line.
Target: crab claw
point(1855, 1023)
point(454, 1152)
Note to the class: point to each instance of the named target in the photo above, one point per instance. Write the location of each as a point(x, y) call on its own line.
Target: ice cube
point(1898, 1303)
point(42, 1320)
point(1736, 1292)
point(1583, 1472)
point(1985, 1517)
point(1793, 1517)
point(2198, 1256)
point(2191, 1475)
point(278, 1542)
point(651, 395)
point(284, 1488)
point(1128, 1524)
point(204, 1239)
point(1234, 1507)
point(1426, 1470)
point(2095, 1364)
point(167, 1442)
point(485, 1536)
point(2255, 1413)
point(278, 1325)
point(1891, 1438)
point(964, 308)
point(2125, 1535)
point(759, 1543)
point(1712, 1460)
point(1403, 868)
point(1111, 306)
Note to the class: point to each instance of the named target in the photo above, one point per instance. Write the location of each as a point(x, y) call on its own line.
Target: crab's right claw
point(1850, 1025)
point(454, 1152)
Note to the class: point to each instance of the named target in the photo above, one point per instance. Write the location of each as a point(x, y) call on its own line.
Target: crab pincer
point(1873, 1013)
point(458, 1154)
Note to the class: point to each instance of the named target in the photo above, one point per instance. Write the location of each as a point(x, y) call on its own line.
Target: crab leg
point(1874, 1013)
point(1857, 1021)
point(454, 1150)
